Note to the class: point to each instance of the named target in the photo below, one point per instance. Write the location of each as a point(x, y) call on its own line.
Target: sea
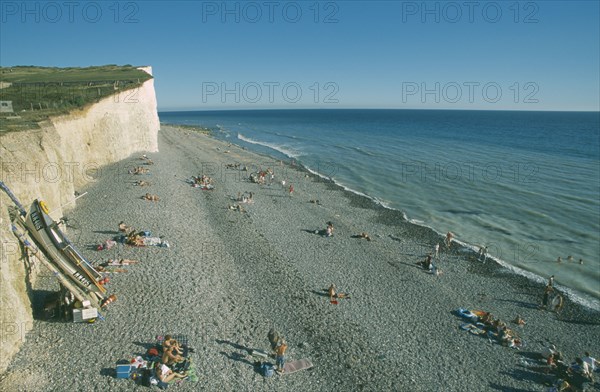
point(526, 185)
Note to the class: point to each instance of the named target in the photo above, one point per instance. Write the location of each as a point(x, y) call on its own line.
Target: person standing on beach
point(291, 190)
point(271, 175)
point(557, 303)
point(547, 291)
point(591, 361)
point(449, 237)
point(436, 250)
point(329, 229)
point(551, 281)
point(280, 355)
point(332, 292)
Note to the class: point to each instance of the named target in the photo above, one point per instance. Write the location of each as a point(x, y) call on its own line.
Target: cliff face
point(53, 162)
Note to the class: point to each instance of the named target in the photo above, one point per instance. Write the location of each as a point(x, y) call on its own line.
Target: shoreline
point(581, 298)
point(229, 277)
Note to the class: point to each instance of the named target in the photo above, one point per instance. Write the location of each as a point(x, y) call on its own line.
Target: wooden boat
point(44, 231)
point(40, 234)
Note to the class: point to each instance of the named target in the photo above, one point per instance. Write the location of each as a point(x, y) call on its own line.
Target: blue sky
point(494, 55)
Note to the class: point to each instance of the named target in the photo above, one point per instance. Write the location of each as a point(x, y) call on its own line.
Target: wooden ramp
point(296, 366)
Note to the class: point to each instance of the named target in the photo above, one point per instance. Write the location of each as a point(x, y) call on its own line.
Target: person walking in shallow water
point(482, 253)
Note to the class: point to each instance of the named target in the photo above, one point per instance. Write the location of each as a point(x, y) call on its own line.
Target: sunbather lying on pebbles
point(165, 374)
point(139, 170)
point(236, 207)
point(142, 183)
point(364, 235)
point(426, 264)
point(135, 239)
point(120, 262)
point(150, 197)
point(333, 294)
point(107, 269)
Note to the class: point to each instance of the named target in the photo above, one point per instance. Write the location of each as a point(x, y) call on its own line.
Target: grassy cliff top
point(37, 93)
point(33, 74)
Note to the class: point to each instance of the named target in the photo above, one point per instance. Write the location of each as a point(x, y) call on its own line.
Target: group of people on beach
point(203, 181)
point(569, 377)
point(139, 170)
point(142, 170)
point(498, 330)
point(261, 176)
point(429, 264)
point(138, 238)
point(267, 177)
point(173, 361)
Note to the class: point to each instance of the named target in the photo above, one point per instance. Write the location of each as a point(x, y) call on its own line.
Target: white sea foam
point(285, 150)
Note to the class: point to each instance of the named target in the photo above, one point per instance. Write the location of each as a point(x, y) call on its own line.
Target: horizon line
point(365, 108)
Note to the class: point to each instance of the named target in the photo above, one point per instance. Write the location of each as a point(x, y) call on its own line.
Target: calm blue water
point(526, 184)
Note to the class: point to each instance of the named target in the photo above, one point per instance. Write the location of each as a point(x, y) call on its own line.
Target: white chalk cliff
point(51, 163)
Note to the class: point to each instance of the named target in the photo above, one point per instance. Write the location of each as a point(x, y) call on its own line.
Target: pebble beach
point(229, 276)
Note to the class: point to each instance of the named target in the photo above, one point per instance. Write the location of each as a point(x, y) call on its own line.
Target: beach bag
point(267, 369)
point(153, 352)
point(146, 376)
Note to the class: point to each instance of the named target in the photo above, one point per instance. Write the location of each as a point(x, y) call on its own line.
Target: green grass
point(40, 92)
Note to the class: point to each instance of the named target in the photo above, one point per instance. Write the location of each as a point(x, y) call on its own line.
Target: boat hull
point(60, 251)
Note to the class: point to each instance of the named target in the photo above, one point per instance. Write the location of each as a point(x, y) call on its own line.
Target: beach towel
point(296, 366)
point(467, 314)
point(475, 329)
point(192, 376)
